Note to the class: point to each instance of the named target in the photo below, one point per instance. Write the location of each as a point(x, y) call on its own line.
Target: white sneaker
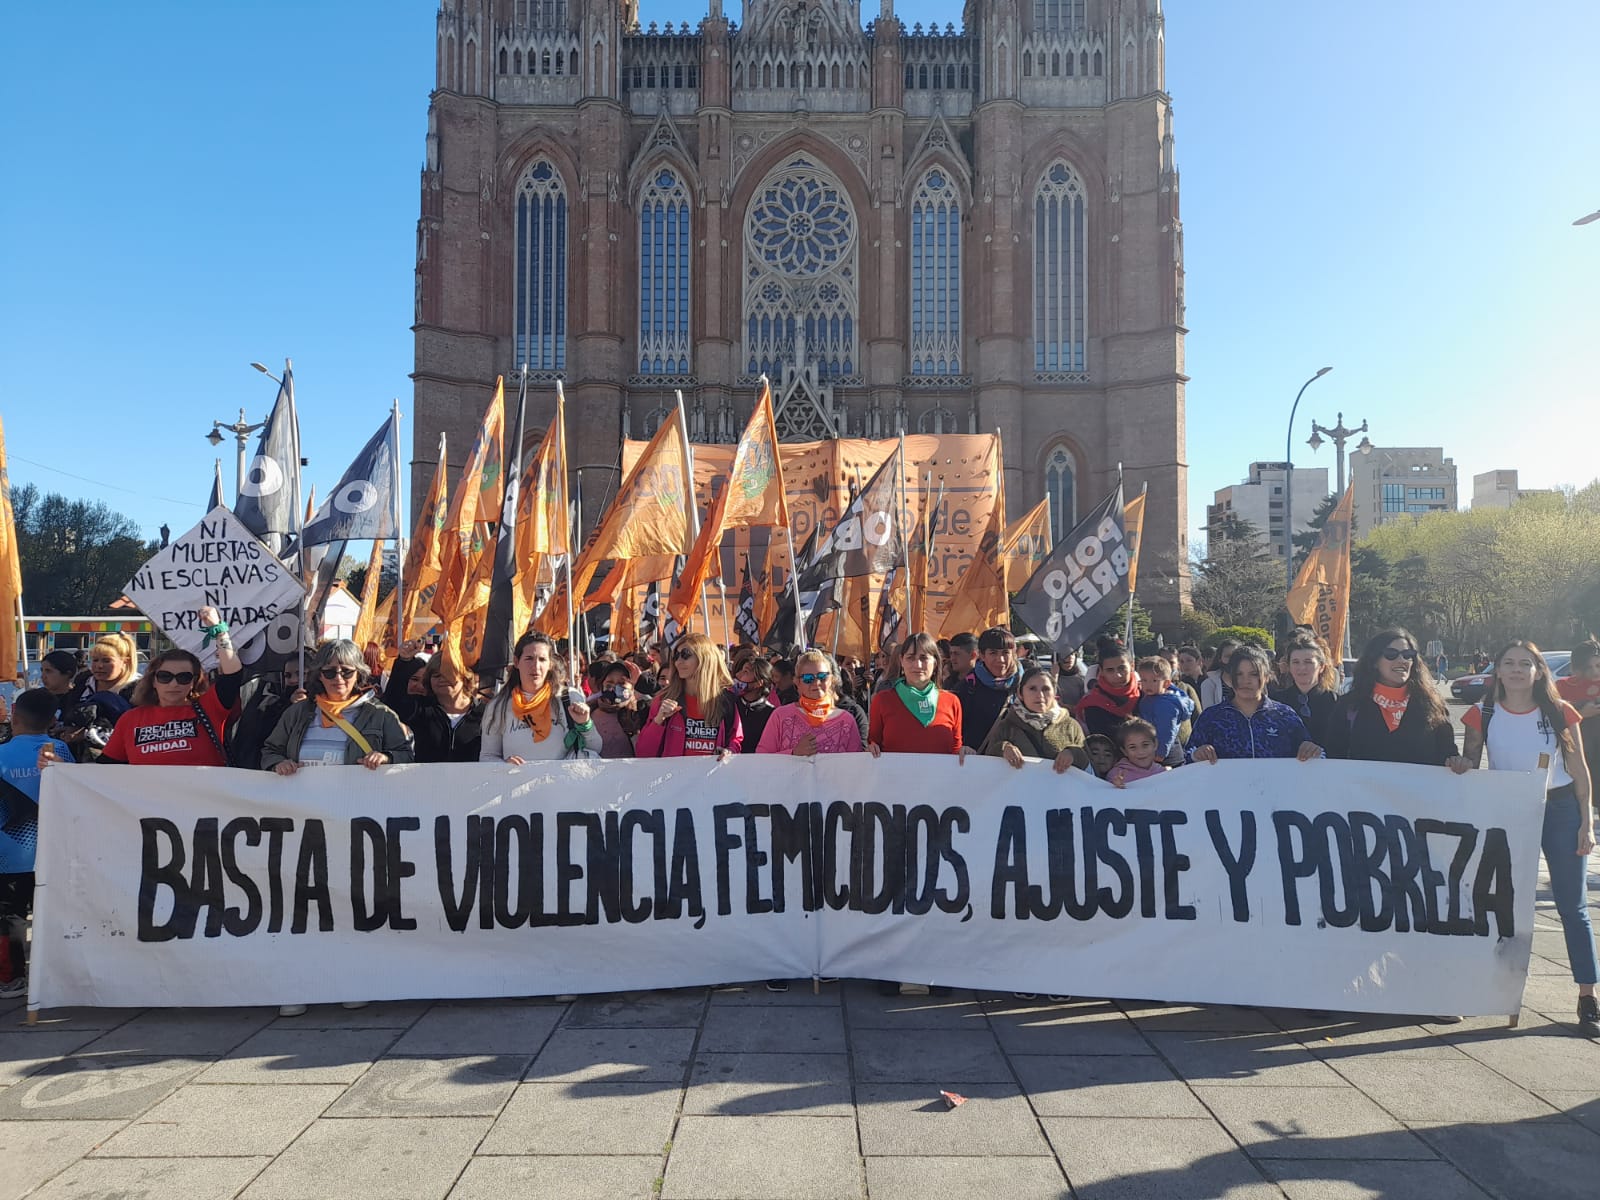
point(291, 1010)
point(17, 987)
point(353, 1005)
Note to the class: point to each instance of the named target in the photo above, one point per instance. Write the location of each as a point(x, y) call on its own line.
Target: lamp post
point(1340, 435)
point(241, 430)
point(1288, 484)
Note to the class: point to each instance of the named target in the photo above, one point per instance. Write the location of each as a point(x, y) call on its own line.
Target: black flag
point(788, 625)
point(1082, 582)
point(269, 494)
point(868, 538)
point(216, 500)
point(744, 620)
point(361, 508)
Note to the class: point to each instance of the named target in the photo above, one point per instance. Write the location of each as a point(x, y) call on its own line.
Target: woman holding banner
point(1037, 726)
point(1247, 724)
point(814, 724)
point(695, 713)
point(536, 717)
point(178, 715)
point(1526, 726)
point(342, 723)
point(1392, 712)
point(915, 715)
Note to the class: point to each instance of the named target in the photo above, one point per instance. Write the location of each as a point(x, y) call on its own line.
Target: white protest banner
point(1334, 885)
point(221, 563)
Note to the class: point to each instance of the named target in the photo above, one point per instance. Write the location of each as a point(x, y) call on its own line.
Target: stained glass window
point(800, 273)
point(1060, 473)
point(541, 270)
point(935, 277)
point(664, 256)
point(1060, 272)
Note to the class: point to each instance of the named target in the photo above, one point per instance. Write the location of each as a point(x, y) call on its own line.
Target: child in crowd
point(1102, 752)
point(1140, 758)
point(31, 716)
point(1167, 708)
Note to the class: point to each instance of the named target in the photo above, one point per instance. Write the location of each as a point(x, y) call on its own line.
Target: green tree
point(76, 555)
point(1235, 581)
point(356, 578)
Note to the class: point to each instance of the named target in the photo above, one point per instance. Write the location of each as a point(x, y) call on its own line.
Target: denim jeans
point(1569, 876)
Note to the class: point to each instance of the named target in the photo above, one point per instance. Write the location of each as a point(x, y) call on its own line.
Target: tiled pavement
point(700, 1095)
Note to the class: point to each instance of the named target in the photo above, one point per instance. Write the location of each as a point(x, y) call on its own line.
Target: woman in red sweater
point(916, 716)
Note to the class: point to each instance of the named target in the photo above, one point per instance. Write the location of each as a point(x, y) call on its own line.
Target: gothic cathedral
point(936, 230)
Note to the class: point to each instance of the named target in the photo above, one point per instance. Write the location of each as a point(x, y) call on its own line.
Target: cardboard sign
point(221, 563)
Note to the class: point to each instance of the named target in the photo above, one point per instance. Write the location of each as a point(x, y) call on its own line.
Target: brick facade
point(991, 107)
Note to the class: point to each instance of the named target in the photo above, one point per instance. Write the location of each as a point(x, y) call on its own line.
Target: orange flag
point(466, 555)
point(542, 524)
point(1026, 543)
point(421, 570)
point(980, 601)
point(1320, 596)
point(753, 496)
point(11, 644)
point(1133, 523)
point(650, 513)
point(367, 627)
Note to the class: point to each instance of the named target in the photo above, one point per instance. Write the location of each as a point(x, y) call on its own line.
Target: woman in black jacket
point(448, 723)
point(1309, 690)
point(1393, 712)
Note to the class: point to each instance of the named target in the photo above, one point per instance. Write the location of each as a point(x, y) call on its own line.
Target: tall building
point(1498, 489)
point(1259, 499)
point(1394, 480)
point(939, 230)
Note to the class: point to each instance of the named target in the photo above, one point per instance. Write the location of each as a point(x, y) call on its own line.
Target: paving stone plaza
point(704, 1094)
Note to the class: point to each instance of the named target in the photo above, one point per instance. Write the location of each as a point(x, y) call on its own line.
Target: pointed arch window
point(664, 275)
point(800, 276)
point(936, 276)
point(1060, 484)
point(541, 270)
point(1060, 272)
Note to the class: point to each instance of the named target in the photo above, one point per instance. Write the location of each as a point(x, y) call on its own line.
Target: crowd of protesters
point(1127, 719)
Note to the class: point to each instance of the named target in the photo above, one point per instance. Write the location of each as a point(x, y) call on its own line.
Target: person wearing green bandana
point(916, 716)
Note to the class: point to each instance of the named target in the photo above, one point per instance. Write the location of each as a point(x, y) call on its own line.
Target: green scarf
point(922, 701)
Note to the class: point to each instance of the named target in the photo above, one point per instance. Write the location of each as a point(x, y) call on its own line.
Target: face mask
point(740, 687)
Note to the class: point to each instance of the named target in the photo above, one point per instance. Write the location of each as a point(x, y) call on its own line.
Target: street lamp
point(1340, 435)
point(241, 430)
point(1288, 484)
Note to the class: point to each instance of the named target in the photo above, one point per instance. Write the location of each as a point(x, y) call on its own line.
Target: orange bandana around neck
point(534, 711)
point(332, 709)
point(816, 711)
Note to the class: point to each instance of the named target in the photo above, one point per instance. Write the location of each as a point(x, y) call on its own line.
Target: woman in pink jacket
point(695, 714)
point(813, 724)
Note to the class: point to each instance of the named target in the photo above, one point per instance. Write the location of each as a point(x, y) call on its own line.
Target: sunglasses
point(682, 654)
point(1391, 654)
point(338, 672)
point(816, 677)
point(183, 677)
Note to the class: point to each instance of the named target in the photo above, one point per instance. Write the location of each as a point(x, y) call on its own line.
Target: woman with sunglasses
point(342, 723)
point(695, 713)
point(1392, 712)
point(814, 724)
point(1526, 726)
point(536, 717)
point(179, 717)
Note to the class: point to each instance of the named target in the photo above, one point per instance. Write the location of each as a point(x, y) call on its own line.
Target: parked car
point(1469, 689)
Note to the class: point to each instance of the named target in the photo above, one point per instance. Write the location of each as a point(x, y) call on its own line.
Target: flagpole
point(22, 636)
point(905, 542)
point(399, 535)
point(299, 520)
point(689, 503)
point(561, 434)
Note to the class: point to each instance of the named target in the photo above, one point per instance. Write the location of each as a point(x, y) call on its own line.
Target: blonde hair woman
point(814, 724)
point(694, 714)
point(114, 665)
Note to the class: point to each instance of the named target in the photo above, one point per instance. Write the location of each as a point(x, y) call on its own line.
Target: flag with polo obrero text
point(1083, 581)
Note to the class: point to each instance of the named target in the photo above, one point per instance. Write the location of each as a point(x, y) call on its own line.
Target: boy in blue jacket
point(1166, 706)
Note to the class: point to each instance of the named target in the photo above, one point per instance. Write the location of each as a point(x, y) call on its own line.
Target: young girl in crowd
point(1101, 752)
point(1036, 726)
point(1141, 753)
point(1526, 726)
point(614, 708)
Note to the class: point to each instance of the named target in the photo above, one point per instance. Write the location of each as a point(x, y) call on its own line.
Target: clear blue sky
point(1384, 187)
